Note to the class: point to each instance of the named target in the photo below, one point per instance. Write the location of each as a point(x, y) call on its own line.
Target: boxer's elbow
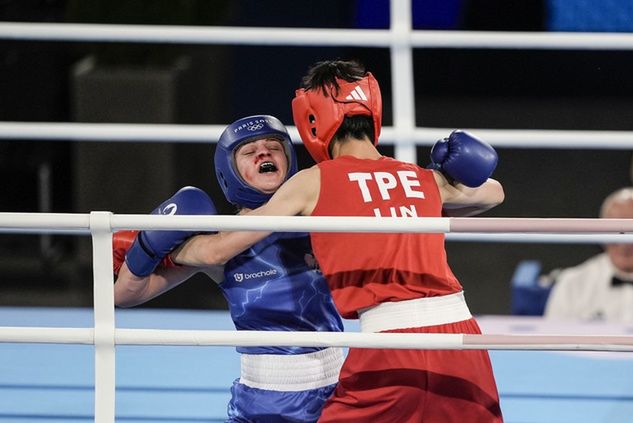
point(127, 296)
point(497, 194)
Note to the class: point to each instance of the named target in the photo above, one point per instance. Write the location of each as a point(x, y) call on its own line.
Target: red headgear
point(318, 116)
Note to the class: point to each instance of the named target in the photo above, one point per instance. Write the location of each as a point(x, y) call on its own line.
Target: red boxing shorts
point(390, 385)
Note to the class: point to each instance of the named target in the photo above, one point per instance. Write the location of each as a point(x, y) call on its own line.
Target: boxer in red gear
point(391, 282)
point(398, 283)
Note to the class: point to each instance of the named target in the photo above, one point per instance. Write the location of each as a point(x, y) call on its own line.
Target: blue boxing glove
point(464, 158)
point(150, 247)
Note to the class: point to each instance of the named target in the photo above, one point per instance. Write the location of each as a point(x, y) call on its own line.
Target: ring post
point(103, 316)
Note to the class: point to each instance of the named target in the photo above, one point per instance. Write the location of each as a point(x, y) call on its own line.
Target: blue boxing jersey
point(275, 285)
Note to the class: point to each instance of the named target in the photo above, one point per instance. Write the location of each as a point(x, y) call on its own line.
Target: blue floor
point(55, 383)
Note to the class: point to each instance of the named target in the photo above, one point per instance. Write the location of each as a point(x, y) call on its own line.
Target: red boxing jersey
point(366, 269)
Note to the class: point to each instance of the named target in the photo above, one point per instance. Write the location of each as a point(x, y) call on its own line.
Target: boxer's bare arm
point(297, 196)
point(131, 290)
point(458, 200)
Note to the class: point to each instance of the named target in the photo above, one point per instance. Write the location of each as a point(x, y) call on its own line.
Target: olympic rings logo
point(255, 127)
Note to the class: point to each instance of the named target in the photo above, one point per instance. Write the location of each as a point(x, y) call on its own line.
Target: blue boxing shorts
point(284, 388)
point(249, 405)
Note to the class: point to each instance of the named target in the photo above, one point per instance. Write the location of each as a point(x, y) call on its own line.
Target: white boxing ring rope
point(77, 224)
point(127, 132)
point(170, 34)
point(224, 338)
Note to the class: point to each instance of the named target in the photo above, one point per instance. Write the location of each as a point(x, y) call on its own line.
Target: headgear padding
point(242, 131)
point(318, 116)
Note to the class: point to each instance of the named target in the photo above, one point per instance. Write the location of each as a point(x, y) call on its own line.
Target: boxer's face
point(262, 164)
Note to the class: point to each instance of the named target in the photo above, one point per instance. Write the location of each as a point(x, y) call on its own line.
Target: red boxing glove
point(121, 242)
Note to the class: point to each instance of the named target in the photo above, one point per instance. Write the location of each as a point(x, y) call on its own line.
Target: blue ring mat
point(55, 383)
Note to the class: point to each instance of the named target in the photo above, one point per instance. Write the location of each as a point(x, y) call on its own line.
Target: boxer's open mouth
point(267, 167)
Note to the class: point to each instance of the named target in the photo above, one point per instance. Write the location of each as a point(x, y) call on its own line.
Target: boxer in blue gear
point(275, 285)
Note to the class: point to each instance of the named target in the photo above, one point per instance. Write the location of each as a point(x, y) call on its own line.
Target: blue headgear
point(240, 132)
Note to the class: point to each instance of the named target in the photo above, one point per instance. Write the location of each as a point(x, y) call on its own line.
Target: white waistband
point(296, 372)
point(415, 313)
